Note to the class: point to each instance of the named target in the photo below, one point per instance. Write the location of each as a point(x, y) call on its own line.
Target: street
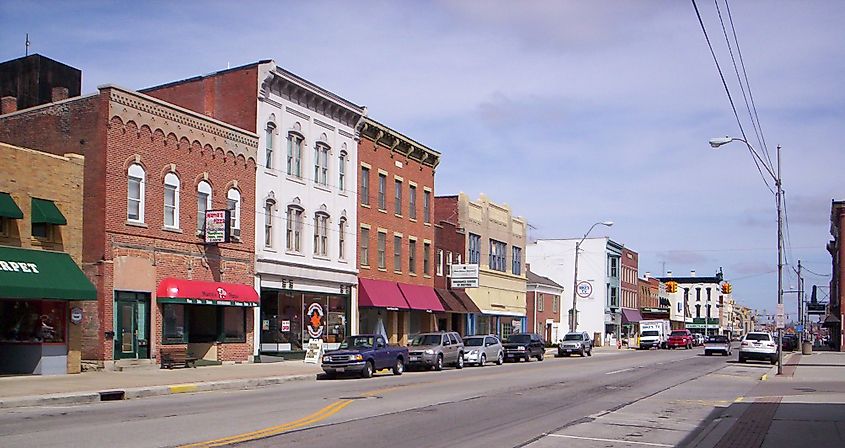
point(655, 398)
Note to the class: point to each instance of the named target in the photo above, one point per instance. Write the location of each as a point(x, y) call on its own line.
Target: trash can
point(807, 348)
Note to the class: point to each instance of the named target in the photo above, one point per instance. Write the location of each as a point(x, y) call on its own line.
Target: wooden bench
point(176, 356)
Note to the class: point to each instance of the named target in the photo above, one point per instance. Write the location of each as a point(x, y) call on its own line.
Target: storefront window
point(173, 324)
point(32, 321)
point(336, 322)
point(293, 318)
point(234, 324)
point(202, 324)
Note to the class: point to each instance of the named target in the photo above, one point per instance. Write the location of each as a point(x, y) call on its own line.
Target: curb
point(145, 392)
point(769, 374)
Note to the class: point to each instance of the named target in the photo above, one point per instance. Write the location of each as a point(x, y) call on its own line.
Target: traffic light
point(726, 288)
point(671, 287)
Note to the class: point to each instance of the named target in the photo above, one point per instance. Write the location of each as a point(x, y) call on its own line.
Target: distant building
point(543, 302)
point(702, 301)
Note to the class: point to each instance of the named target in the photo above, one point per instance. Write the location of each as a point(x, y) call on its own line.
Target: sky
point(570, 112)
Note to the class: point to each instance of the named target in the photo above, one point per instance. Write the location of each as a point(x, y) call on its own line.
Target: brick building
point(834, 321)
point(40, 252)
point(34, 80)
point(396, 235)
point(542, 303)
point(152, 170)
point(305, 203)
point(449, 249)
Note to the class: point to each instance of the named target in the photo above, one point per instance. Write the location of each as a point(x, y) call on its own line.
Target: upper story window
point(341, 170)
point(269, 211)
point(397, 200)
point(365, 246)
point(516, 264)
point(321, 234)
point(412, 202)
point(439, 268)
point(44, 217)
point(233, 204)
point(295, 154)
point(294, 229)
point(341, 230)
point(497, 255)
point(269, 153)
point(449, 262)
point(541, 302)
point(426, 206)
point(135, 193)
point(203, 203)
point(426, 259)
point(397, 253)
point(382, 247)
point(412, 256)
point(614, 267)
point(382, 191)
point(321, 164)
point(171, 201)
point(555, 303)
point(474, 249)
point(365, 185)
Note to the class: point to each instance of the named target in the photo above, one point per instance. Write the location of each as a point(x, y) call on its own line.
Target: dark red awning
point(380, 294)
point(465, 300)
point(630, 316)
point(421, 298)
point(450, 303)
point(195, 292)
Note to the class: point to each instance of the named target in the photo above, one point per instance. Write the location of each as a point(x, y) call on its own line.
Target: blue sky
point(571, 112)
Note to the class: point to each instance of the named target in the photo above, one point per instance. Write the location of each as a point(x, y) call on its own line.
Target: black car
point(790, 342)
point(524, 346)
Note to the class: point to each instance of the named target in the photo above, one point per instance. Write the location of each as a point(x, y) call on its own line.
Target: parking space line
point(596, 439)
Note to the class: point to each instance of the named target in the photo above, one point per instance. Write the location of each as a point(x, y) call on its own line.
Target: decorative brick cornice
point(398, 143)
point(143, 110)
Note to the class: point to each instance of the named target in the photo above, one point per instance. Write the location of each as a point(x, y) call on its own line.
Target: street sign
point(799, 328)
point(585, 289)
point(779, 317)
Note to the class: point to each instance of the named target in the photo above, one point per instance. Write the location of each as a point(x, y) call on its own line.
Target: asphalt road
point(665, 395)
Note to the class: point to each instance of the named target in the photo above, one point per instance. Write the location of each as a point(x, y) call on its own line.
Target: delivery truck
point(654, 333)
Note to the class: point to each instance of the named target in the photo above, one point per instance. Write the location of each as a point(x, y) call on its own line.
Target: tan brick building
point(40, 210)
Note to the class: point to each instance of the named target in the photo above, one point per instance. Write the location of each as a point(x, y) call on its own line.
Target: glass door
point(132, 322)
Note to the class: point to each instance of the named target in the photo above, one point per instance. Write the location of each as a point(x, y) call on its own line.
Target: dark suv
point(524, 346)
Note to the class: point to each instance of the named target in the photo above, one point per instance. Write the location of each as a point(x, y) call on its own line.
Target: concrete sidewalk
point(806, 404)
point(87, 387)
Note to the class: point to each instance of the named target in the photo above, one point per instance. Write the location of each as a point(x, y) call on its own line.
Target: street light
point(573, 318)
point(717, 142)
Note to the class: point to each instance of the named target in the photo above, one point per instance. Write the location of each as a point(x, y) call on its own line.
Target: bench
point(176, 356)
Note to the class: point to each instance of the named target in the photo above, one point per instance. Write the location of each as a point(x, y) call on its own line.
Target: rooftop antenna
point(27, 44)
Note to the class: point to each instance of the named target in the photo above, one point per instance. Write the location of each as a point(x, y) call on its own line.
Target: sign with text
point(585, 289)
point(217, 224)
point(779, 317)
point(464, 283)
point(314, 351)
point(464, 271)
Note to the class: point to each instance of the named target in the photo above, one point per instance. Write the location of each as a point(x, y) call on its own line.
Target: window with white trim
point(440, 262)
point(295, 154)
point(426, 259)
point(341, 171)
point(203, 204)
point(365, 185)
point(341, 247)
point(321, 164)
point(233, 204)
point(171, 201)
point(135, 193)
point(426, 206)
point(268, 145)
point(382, 247)
point(382, 192)
point(412, 256)
point(321, 234)
point(397, 197)
point(397, 253)
point(365, 246)
point(412, 202)
point(294, 228)
point(269, 210)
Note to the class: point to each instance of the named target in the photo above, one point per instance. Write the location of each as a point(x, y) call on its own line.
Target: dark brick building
point(34, 80)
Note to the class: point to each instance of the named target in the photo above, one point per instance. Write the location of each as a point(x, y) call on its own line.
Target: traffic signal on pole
point(671, 287)
point(726, 288)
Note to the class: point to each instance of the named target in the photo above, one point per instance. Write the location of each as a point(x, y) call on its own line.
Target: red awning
point(380, 294)
point(172, 290)
point(465, 300)
point(421, 297)
point(630, 316)
point(450, 303)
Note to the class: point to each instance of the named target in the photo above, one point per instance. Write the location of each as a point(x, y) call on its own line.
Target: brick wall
point(448, 238)
point(628, 279)
point(547, 312)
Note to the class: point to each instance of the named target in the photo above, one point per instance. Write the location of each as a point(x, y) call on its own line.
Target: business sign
point(285, 326)
point(19, 266)
point(816, 308)
point(464, 283)
point(217, 224)
point(464, 271)
point(585, 289)
point(314, 351)
point(314, 320)
point(76, 315)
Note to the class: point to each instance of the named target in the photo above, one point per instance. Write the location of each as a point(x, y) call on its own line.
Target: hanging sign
point(217, 226)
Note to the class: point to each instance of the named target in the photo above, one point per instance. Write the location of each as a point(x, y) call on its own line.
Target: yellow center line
point(320, 415)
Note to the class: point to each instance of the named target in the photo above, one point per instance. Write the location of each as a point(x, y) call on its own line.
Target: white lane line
point(609, 440)
point(619, 371)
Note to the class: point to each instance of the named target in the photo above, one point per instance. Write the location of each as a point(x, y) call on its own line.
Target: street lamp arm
point(715, 143)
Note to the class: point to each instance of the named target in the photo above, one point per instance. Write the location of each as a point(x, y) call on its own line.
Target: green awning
point(46, 212)
point(41, 274)
point(8, 208)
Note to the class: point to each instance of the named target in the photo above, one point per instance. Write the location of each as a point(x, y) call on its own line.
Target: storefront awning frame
point(29, 274)
point(196, 292)
point(8, 207)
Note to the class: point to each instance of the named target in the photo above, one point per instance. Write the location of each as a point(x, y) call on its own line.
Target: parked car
point(479, 350)
point(575, 342)
point(790, 342)
point(680, 338)
point(524, 346)
point(365, 354)
point(760, 346)
point(434, 350)
point(717, 344)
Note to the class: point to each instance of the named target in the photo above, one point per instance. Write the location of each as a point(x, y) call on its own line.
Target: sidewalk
point(16, 391)
point(804, 405)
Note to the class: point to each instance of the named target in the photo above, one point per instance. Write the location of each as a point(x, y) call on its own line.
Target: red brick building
point(543, 298)
point(449, 249)
point(151, 172)
point(396, 234)
point(629, 287)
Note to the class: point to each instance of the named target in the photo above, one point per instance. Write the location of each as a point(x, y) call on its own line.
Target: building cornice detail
point(382, 135)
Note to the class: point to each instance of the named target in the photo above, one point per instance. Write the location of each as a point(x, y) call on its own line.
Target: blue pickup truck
point(365, 354)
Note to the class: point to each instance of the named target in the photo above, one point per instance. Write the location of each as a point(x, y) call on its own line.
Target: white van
point(654, 333)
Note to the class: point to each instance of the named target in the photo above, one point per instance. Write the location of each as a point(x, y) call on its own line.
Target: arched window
point(321, 164)
point(294, 228)
point(233, 204)
point(171, 201)
point(269, 210)
point(295, 154)
point(341, 170)
point(135, 193)
point(203, 203)
point(269, 131)
point(321, 234)
point(342, 239)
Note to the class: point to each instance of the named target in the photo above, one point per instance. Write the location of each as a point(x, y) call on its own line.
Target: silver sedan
point(479, 350)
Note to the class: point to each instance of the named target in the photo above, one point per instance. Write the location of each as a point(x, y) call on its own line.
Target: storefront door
point(132, 326)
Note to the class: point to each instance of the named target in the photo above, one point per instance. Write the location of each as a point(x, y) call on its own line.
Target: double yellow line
point(320, 415)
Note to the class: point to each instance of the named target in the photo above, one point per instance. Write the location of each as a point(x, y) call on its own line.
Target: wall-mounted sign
point(464, 283)
point(285, 325)
point(585, 289)
point(464, 271)
point(217, 226)
point(314, 320)
point(76, 315)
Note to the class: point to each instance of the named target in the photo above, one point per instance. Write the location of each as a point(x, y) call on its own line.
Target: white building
point(701, 300)
point(306, 203)
point(598, 277)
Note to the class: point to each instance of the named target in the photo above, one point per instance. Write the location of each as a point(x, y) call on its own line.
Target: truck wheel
point(367, 371)
point(399, 367)
point(460, 363)
point(540, 356)
point(438, 364)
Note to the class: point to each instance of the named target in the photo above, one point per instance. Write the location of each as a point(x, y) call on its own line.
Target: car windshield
point(474, 342)
point(650, 333)
point(574, 337)
point(519, 338)
point(717, 339)
point(678, 333)
point(426, 339)
point(357, 341)
point(758, 337)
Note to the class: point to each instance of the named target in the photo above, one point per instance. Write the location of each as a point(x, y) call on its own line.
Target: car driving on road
point(479, 350)
point(717, 344)
point(760, 346)
point(524, 346)
point(575, 342)
point(434, 350)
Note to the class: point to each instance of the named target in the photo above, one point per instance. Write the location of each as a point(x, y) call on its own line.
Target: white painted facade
point(555, 259)
point(291, 108)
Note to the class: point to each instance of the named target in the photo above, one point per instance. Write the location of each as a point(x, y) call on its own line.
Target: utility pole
point(800, 302)
point(780, 260)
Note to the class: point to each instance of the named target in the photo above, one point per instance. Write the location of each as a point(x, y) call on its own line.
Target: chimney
point(668, 273)
point(647, 275)
point(8, 104)
point(58, 94)
point(692, 273)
